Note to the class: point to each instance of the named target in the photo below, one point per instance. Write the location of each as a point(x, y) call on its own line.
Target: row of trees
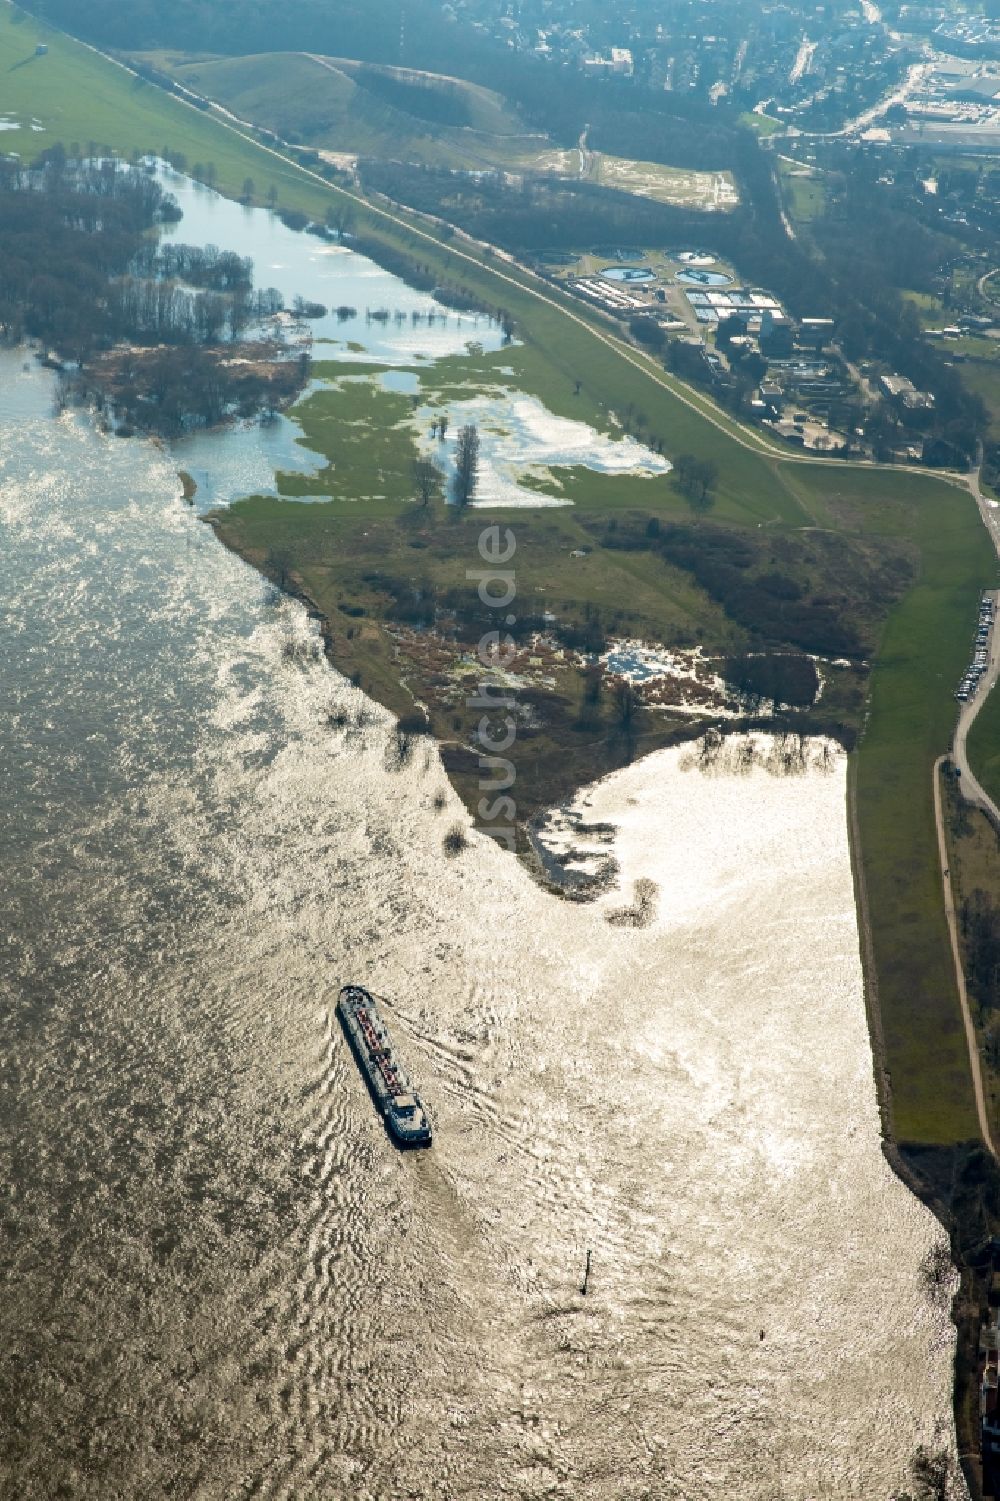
point(466, 464)
point(789, 606)
point(169, 314)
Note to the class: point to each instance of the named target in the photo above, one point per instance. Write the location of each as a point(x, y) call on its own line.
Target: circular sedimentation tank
point(699, 260)
point(631, 274)
point(620, 252)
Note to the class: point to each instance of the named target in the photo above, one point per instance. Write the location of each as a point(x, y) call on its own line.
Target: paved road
point(974, 793)
point(972, 789)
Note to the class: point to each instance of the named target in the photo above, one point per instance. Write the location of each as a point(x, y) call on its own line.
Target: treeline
point(532, 214)
point(74, 242)
point(706, 145)
point(436, 101)
point(140, 308)
point(777, 678)
point(979, 920)
point(424, 278)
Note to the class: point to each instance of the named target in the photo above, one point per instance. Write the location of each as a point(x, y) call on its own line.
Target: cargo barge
point(401, 1106)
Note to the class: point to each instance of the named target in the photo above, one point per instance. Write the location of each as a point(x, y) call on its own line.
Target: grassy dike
point(78, 96)
point(912, 711)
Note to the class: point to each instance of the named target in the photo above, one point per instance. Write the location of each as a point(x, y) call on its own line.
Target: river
point(220, 1279)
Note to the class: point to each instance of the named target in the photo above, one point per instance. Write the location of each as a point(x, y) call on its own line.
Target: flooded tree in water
point(466, 463)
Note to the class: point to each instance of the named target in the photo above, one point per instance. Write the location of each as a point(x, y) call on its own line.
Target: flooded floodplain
point(221, 1278)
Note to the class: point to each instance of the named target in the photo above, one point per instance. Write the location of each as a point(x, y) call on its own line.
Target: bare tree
point(426, 481)
point(696, 478)
point(466, 463)
point(340, 216)
point(627, 703)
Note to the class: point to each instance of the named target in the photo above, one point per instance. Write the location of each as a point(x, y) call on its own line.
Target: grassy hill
point(340, 105)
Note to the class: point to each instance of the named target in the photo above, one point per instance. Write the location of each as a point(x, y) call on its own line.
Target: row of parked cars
point(981, 655)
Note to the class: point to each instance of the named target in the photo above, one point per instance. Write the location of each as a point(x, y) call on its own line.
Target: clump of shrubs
point(455, 841)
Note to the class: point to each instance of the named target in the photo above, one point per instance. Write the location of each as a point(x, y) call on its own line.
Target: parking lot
point(969, 686)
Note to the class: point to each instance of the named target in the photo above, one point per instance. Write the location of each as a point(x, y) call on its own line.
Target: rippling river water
point(220, 1279)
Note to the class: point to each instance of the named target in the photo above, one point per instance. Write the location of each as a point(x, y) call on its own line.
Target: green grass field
point(803, 192)
point(577, 369)
point(764, 125)
point(79, 97)
point(984, 380)
point(931, 309)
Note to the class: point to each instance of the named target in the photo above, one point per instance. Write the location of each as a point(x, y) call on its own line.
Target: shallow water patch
point(522, 442)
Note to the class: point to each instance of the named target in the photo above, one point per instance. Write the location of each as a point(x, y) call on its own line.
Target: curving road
point(971, 787)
